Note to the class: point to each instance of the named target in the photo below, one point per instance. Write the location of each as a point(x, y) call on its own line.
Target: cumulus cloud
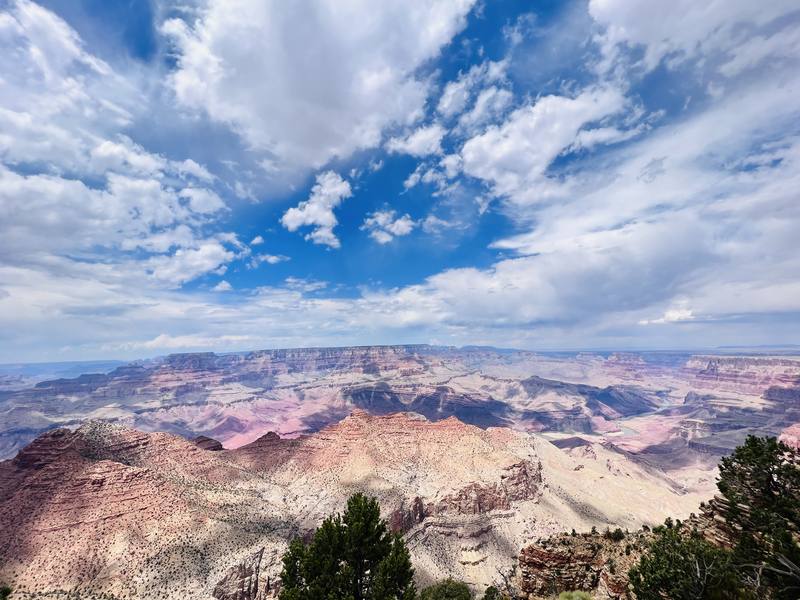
point(327, 193)
point(202, 200)
point(456, 94)
point(188, 263)
point(166, 341)
point(422, 142)
point(222, 286)
point(74, 189)
point(490, 104)
point(514, 156)
point(303, 95)
point(384, 225)
point(623, 228)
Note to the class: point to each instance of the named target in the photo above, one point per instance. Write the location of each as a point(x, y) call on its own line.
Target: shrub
point(574, 596)
point(5, 592)
point(492, 593)
point(683, 566)
point(449, 589)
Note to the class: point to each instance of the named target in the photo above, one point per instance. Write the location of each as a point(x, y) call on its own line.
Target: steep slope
point(111, 509)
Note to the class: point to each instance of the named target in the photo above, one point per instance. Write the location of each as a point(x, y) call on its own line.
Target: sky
point(238, 174)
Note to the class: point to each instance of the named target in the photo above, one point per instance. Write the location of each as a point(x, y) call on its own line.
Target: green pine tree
point(683, 566)
point(350, 557)
point(761, 482)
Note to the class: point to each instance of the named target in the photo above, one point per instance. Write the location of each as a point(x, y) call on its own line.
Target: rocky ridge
point(589, 562)
point(108, 509)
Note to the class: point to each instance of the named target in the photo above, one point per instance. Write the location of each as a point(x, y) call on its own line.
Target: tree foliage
point(350, 557)
point(449, 589)
point(5, 592)
point(683, 566)
point(492, 593)
point(761, 483)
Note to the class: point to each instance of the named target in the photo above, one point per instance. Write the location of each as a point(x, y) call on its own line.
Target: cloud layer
point(641, 193)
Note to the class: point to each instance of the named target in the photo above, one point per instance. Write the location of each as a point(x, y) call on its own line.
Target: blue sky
point(224, 175)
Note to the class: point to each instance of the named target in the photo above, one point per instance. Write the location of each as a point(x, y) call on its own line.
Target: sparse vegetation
point(615, 536)
point(574, 596)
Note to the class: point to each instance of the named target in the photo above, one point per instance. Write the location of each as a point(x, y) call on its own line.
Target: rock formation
point(244, 581)
point(589, 562)
point(651, 399)
point(108, 509)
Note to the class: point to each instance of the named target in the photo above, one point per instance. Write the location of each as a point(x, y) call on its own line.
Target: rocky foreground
point(107, 509)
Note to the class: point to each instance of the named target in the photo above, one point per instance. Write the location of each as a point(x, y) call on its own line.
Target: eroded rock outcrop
point(245, 581)
point(590, 562)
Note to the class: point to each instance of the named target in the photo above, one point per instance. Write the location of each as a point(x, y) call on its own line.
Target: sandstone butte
point(107, 509)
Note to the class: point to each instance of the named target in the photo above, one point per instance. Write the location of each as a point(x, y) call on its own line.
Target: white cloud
point(454, 97)
point(188, 263)
point(305, 94)
point(680, 30)
point(589, 138)
point(690, 228)
point(422, 142)
point(202, 200)
point(191, 168)
point(191, 341)
point(271, 259)
point(451, 165)
point(222, 286)
point(490, 104)
point(384, 225)
point(513, 157)
point(305, 286)
point(673, 315)
point(257, 241)
point(327, 193)
point(456, 94)
point(784, 44)
point(435, 225)
point(75, 190)
point(125, 157)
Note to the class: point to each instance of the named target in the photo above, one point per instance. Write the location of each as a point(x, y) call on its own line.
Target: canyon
point(187, 475)
point(108, 509)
